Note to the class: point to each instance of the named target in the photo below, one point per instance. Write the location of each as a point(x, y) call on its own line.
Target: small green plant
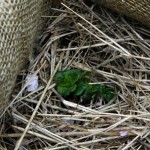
point(76, 83)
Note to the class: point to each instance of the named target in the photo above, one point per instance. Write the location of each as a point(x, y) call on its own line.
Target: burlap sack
point(19, 21)
point(137, 9)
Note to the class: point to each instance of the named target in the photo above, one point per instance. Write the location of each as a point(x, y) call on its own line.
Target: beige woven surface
point(137, 9)
point(19, 21)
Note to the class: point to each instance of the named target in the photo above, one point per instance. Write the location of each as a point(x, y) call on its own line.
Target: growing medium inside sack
point(86, 53)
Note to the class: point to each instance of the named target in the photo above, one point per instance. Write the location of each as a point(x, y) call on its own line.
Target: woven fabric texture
point(20, 20)
point(137, 9)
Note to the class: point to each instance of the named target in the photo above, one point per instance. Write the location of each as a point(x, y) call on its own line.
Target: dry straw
point(116, 52)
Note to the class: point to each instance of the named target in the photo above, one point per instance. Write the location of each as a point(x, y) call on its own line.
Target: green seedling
point(76, 83)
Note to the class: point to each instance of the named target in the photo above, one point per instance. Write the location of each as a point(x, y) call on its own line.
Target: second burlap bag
point(137, 9)
point(20, 20)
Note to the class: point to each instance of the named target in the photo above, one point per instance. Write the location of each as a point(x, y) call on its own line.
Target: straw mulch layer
point(116, 52)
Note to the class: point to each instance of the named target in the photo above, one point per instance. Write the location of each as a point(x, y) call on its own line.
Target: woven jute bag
point(137, 9)
point(20, 21)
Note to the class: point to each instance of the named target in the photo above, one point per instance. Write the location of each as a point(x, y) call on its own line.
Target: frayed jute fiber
point(20, 21)
point(137, 9)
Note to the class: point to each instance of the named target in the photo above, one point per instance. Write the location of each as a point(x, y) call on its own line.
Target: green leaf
point(105, 92)
point(102, 89)
point(109, 96)
point(72, 88)
point(85, 75)
point(59, 77)
point(109, 93)
point(65, 91)
point(71, 76)
point(67, 77)
point(86, 96)
point(93, 88)
point(81, 87)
